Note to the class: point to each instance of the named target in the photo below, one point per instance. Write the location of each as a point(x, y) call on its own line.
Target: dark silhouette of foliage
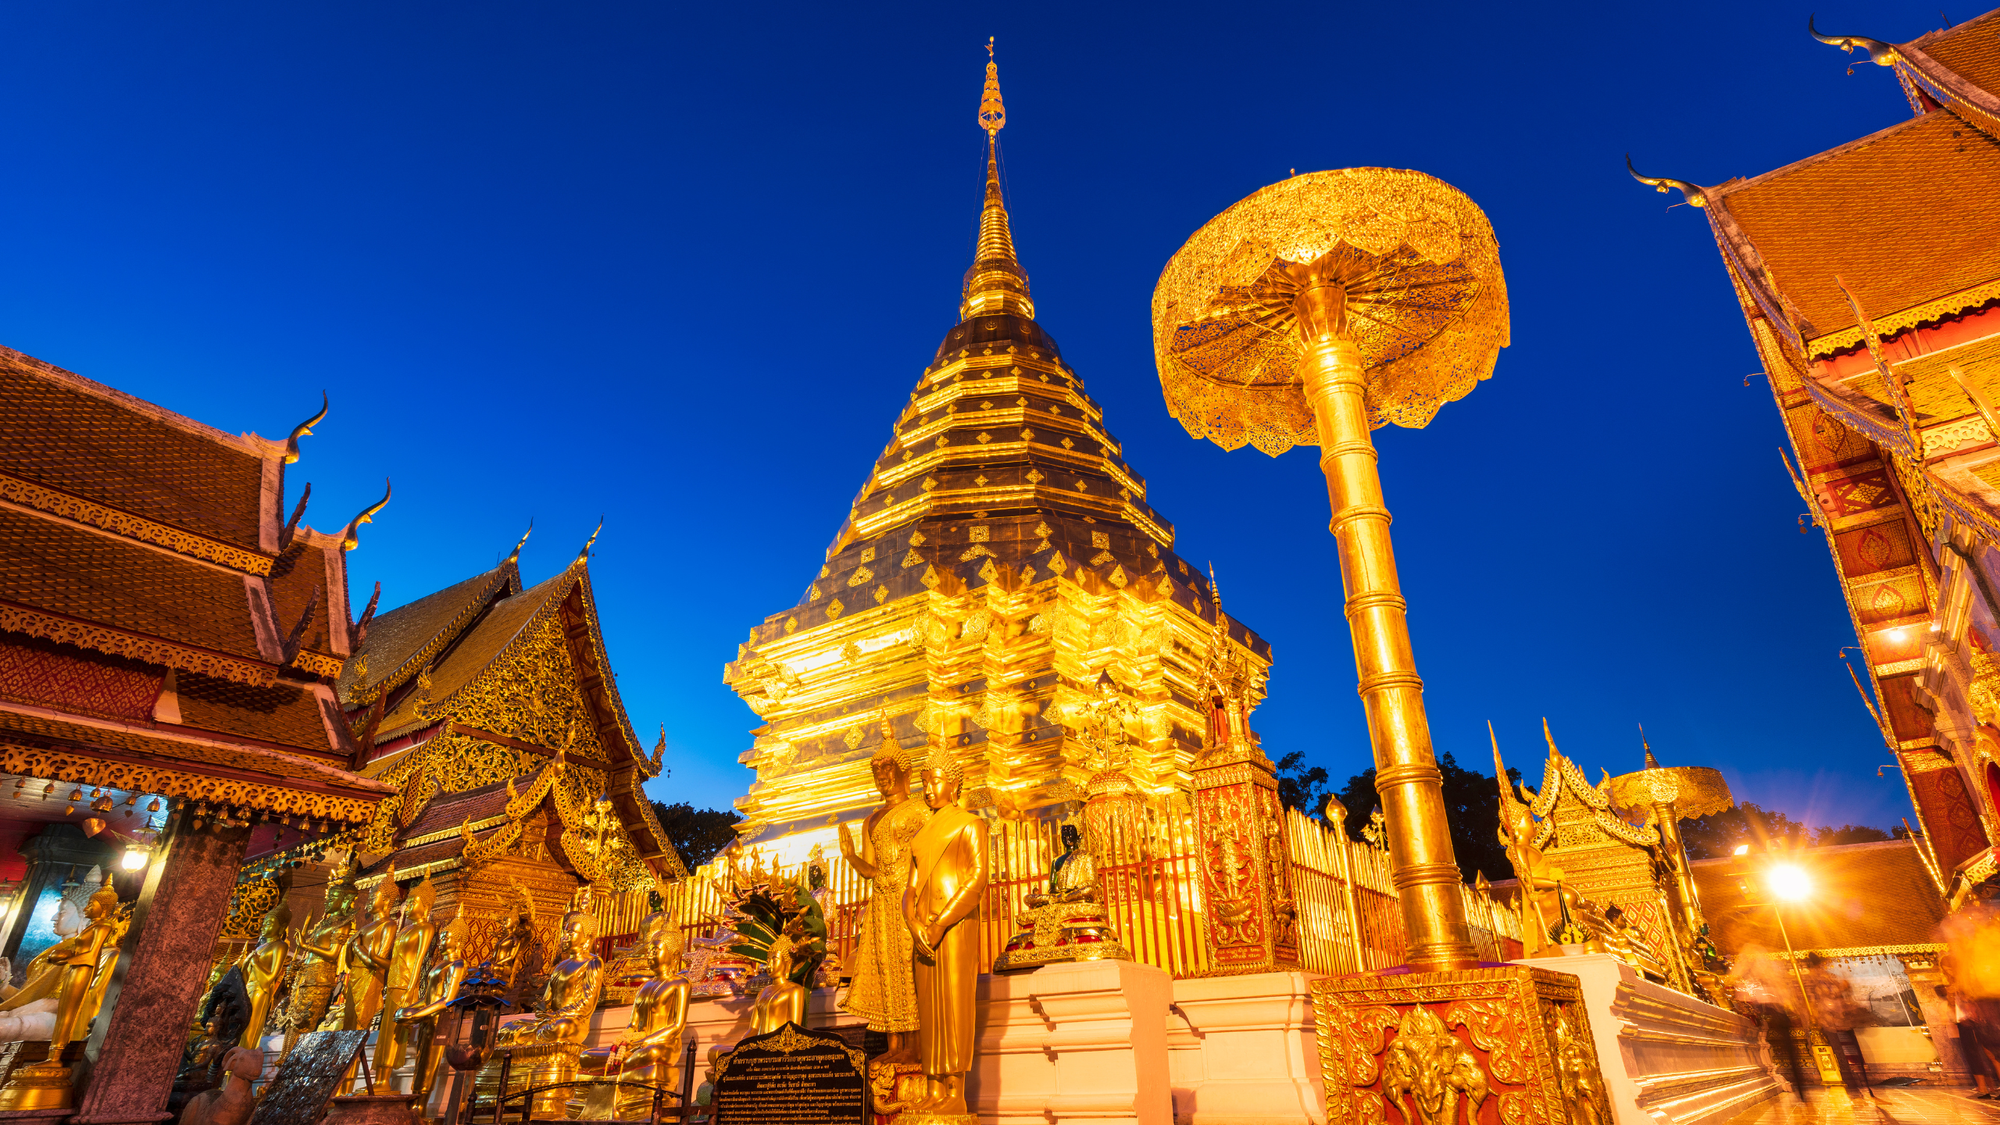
point(696, 834)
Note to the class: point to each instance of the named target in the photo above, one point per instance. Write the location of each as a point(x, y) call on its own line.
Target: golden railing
point(1150, 884)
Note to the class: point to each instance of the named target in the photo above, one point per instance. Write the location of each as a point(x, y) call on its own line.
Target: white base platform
point(1667, 1058)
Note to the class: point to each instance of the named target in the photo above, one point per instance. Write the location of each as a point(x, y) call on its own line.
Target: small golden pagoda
point(493, 710)
point(999, 558)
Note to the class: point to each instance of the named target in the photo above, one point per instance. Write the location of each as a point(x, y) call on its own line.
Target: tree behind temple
point(696, 834)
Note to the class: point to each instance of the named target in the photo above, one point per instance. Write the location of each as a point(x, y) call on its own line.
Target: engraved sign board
point(791, 1076)
point(298, 1093)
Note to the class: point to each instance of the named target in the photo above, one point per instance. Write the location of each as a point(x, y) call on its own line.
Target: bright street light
point(1789, 882)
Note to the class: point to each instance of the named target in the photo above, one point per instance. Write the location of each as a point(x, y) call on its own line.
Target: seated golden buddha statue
point(561, 1021)
point(648, 1053)
point(782, 1001)
point(1065, 923)
point(78, 965)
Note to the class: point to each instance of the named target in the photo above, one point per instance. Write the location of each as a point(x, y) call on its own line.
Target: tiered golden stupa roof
point(1869, 276)
point(999, 557)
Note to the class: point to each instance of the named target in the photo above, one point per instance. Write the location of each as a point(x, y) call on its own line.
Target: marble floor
point(1902, 1105)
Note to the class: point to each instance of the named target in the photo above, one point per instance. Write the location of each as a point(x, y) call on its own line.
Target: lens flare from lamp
point(1741, 849)
point(135, 857)
point(1789, 882)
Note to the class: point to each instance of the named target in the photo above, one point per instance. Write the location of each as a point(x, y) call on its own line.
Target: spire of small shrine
point(1652, 763)
point(996, 282)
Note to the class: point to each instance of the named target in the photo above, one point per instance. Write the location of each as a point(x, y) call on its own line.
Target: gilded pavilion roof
point(403, 640)
point(483, 683)
point(1864, 896)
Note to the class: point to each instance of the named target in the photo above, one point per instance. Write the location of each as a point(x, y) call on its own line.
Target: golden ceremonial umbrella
point(1309, 313)
point(1667, 795)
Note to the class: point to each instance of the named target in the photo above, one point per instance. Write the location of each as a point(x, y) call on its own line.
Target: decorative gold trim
point(1865, 950)
point(82, 769)
point(315, 664)
point(117, 642)
point(1953, 304)
point(79, 510)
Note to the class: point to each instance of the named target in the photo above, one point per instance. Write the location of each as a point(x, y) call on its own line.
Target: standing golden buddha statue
point(884, 992)
point(941, 907)
point(405, 976)
point(440, 987)
point(46, 1084)
point(366, 960)
point(264, 972)
point(319, 950)
point(647, 1053)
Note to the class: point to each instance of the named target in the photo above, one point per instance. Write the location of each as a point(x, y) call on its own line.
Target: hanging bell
point(154, 806)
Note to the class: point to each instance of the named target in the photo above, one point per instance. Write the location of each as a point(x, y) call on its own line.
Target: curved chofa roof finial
point(584, 555)
point(350, 538)
point(514, 556)
point(1695, 196)
point(1879, 53)
point(304, 429)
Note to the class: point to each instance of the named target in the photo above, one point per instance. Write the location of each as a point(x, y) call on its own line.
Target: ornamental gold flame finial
point(584, 555)
point(996, 283)
point(1879, 53)
point(1695, 196)
point(992, 112)
point(514, 556)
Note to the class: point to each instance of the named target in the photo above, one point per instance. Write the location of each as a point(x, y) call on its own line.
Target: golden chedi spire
point(996, 283)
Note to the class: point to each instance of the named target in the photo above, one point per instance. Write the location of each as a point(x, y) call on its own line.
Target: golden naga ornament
point(1309, 313)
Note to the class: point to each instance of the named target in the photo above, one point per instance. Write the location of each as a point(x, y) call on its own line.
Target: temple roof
point(65, 432)
point(1971, 50)
point(153, 607)
point(401, 641)
point(1864, 895)
point(66, 569)
point(1904, 216)
point(192, 750)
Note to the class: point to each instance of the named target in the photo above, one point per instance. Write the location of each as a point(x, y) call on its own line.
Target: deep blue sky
point(678, 266)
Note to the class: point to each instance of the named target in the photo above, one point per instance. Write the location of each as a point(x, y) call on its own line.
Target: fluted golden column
point(1406, 772)
point(1309, 313)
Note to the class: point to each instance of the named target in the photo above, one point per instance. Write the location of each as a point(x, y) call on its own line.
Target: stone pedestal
point(158, 978)
point(1667, 1058)
point(1242, 1051)
point(1085, 1041)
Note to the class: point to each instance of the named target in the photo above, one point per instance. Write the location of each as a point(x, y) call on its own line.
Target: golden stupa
point(998, 560)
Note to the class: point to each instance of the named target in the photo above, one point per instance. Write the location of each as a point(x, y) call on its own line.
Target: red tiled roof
point(58, 567)
point(62, 431)
point(1905, 217)
point(282, 713)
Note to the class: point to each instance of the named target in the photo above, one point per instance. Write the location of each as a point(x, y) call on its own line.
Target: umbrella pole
point(1406, 772)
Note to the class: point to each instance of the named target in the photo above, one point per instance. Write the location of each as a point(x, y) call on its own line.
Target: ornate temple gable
point(517, 681)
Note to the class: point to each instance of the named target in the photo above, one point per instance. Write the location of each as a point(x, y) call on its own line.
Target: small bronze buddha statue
point(1066, 922)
